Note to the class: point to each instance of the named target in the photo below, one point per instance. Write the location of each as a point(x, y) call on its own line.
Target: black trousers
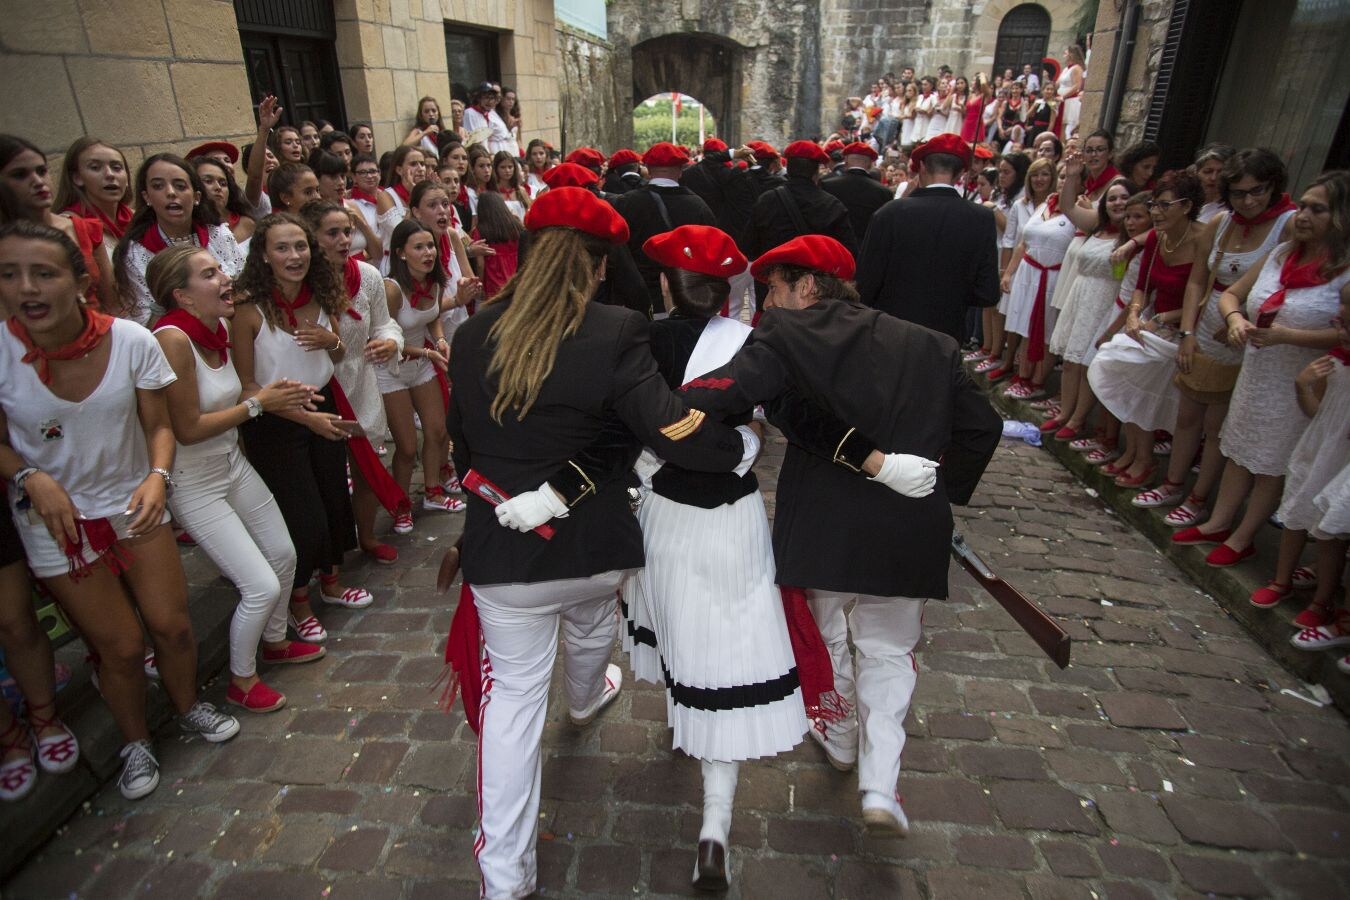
point(308, 476)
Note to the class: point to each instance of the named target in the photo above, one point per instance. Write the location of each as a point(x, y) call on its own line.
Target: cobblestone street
point(1165, 762)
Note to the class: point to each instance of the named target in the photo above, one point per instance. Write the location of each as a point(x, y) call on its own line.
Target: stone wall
point(588, 95)
point(147, 75)
point(1140, 78)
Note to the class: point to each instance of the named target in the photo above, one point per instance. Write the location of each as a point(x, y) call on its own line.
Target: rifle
point(1042, 628)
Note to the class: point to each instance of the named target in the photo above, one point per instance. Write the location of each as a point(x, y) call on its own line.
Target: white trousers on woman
point(878, 682)
point(222, 502)
point(520, 634)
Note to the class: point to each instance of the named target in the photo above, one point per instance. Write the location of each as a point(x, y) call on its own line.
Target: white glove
point(527, 511)
point(751, 442)
point(907, 475)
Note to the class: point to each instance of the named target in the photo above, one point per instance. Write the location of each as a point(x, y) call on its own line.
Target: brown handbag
point(1209, 381)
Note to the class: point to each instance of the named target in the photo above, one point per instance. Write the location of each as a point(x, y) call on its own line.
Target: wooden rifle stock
point(1044, 630)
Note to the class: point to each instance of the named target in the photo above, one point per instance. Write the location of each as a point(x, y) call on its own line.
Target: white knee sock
point(719, 793)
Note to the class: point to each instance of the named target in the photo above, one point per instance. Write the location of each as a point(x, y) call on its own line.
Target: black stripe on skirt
point(739, 697)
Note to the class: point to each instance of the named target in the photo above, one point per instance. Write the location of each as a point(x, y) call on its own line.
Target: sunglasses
point(1165, 205)
point(1259, 191)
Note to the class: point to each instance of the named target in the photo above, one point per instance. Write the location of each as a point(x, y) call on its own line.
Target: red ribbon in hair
point(102, 541)
point(290, 306)
point(198, 332)
point(381, 483)
point(814, 669)
point(1092, 185)
point(1036, 336)
point(153, 239)
point(372, 199)
point(464, 659)
point(96, 325)
point(1293, 276)
point(115, 226)
point(1274, 211)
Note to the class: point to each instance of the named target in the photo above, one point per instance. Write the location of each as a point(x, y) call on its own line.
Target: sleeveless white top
point(1228, 267)
point(217, 389)
point(414, 321)
point(276, 355)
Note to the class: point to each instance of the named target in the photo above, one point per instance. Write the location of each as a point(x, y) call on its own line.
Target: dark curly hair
point(1258, 162)
point(1183, 186)
point(256, 283)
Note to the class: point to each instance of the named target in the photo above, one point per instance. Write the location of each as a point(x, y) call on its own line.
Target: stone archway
point(702, 65)
point(1063, 16)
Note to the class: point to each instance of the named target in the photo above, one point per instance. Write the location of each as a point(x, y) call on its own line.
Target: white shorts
point(410, 374)
point(46, 558)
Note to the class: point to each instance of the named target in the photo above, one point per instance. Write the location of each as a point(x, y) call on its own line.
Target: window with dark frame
point(472, 56)
point(289, 51)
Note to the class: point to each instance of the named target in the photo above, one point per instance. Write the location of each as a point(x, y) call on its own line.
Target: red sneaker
point(260, 698)
point(295, 652)
point(1223, 556)
point(1194, 535)
point(1270, 596)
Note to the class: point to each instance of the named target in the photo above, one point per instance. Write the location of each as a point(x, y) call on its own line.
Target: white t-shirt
point(95, 448)
point(500, 138)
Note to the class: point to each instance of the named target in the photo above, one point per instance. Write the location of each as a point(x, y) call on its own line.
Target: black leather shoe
point(710, 872)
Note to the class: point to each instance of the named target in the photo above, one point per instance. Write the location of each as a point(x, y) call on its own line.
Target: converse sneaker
point(140, 770)
point(613, 681)
point(883, 816)
point(209, 722)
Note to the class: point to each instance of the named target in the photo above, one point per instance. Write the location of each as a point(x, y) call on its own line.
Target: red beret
point(810, 251)
point(807, 150)
point(211, 148)
point(982, 152)
point(1052, 66)
point(698, 248)
point(586, 156)
point(574, 207)
point(858, 148)
point(569, 175)
point(665, 154)
point(763, 151)
point(713, 145)
point(832, 146)
point(943, 143)
point(623, 157)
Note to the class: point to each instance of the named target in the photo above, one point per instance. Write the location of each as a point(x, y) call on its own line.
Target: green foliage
point(651, 124)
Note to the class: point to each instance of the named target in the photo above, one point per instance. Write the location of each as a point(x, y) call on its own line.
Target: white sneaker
point(884, 816)
point(842, 758)
point(140, 771)
point(613, 681)
point(403, 524)
point(351, 598)
point(209, 722)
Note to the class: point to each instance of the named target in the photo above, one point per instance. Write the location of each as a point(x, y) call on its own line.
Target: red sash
point(351, 278)
point(383, 485)
point(402, 193)
point(1036, 337)
point(1342, 354)
point(814, 669)
point(1293, 276)
point(290, 306)
point(463, 656)
point(372, 199)
point(102, 542)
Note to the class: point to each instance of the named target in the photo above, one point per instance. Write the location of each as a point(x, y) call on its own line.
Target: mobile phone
point(350, 427)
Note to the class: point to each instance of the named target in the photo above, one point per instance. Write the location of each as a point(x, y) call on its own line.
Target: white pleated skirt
point(705, 619)
point(1134, 381)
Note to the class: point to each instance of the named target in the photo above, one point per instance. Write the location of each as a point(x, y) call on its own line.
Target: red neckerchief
point(351, 279)
point(1014, 103)
point(1051, 206)
point(1092, 185)
point(421, 289)
point(402, 193)
point(358, 194)
point(462, 198)
point(1274, 211)
point(116, 226)
point(234, 220)
point(96, 325)
point(290, 306)
point(443, 243)
point(197, 331)
point(153, 239)
point(1342, 354)
point(1293, 276)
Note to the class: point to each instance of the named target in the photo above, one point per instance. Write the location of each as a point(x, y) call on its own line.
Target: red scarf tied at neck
point(153, 239)
point(288, 307)
point(1092, 185)
point(116, 226)
point(198, 331)
point(96, 325)
point(358, 194)
point(351, 279)
point(403, 194)
point(1293, 276)
point(1274, 211)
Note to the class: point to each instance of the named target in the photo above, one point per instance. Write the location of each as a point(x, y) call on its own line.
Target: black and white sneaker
point(209, 722)
point(140, 771)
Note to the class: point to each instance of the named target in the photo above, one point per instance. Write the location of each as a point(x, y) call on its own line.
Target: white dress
point(1072, 105)
point(704, 616)
point(1090, 304)
point(354, 373)
point(1334, 504)
point(1320, 455)
point(923, 115)
point(1264, 421)
point(1068, 273)
point(1018, 213)
point(906, 131)
point(1228, 267)
point(1133, 379)
point(1047, 240)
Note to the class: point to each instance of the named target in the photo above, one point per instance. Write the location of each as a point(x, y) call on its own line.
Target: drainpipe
point(1126, 38)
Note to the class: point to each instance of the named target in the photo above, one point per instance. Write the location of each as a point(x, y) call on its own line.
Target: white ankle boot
point(712, 867)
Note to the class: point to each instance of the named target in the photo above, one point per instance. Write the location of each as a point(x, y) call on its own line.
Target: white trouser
point(224, 504)
point(879, 681)
point(740, 285)
point(520, 634)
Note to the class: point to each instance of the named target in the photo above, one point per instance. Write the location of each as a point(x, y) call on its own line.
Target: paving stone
point(959, 725)
point(382, 725)
point(1319, 832)
point(1247, 725)
point(1221, 824)
point(609, 869)
point(267, 883)
point(966, 883)
point(1063, 703)
point(1070, 860)
point(318, 800)
point(435, 766)
point(1136, 815)
point(1291, 791)
point(924, 756)
point(245, 838)
point(1208, 751)
point(860, 880)
point(1216, 875)
point(1044, 807)
point(994, 851)
point(998, 696)
point(1000, 762)
point(1084, 767)
point(1134, 862)
point(782, 879)
point(378, 761)
point(298, 844)
point(1135, 710)
point(1025, 731)
point(1128, 890)
point(945, 799)
point(1047, 887)
point(357, 850)
point(324, 722)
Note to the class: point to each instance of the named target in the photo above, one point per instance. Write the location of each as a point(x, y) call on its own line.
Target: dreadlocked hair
point(548, 302)
point(256, 283)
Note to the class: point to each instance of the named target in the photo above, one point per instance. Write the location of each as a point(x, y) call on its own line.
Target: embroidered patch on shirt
point(52, 430)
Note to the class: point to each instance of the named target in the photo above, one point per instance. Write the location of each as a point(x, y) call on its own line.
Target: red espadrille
point(260, 698)
point(295, 652)
point(1223, 556)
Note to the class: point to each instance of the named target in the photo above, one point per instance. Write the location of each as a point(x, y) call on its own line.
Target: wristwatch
point(168, 480)
point(254, 406)
point(1186, 334)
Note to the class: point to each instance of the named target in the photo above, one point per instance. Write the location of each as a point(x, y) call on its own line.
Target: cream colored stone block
point(355, 93)
point(431, 46)
point(127, 27)
point(212, 97)
point(128, 101)
point(380, 87)
point(405, 98)
point(435, 84)
point(399, 14)
point(381, 12)
point(43, 26)
point(388, 135)
point(412, 49)
point(203, 30)
point(31, 112)
point(395, 50)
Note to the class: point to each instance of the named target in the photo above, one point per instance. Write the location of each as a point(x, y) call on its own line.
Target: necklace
point(1162, 239)
point(173, 241)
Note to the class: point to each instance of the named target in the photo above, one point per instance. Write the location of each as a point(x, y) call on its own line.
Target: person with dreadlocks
point(540, 373)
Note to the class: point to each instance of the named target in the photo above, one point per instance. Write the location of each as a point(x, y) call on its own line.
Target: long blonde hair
point(1036, 166)
point(548, 301)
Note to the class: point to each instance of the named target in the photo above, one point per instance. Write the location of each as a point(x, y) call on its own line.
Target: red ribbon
point(116, 226)
point(1036, 339)
point(463, 657)
point(198, 332)
point(290, 306)
point(383, 485)
point(103, 542)
point(1274, 211)
point(96, 325)
point(1293, 276)
point(153, 239)
point(814, 668)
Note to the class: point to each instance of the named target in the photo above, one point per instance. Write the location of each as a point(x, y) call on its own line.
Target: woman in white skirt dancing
point(704, 617)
